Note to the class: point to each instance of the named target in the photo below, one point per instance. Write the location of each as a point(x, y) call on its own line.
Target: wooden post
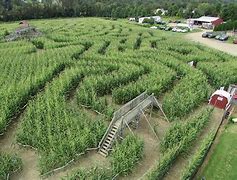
point(150, 124)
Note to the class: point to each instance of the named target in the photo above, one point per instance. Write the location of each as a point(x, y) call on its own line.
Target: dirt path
point(182, 161)
point(87, 161)
point(151, 145)
point(222, 46)
point(28, 156)
point(211, 151)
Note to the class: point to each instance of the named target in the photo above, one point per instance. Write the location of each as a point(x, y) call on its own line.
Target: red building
point(206, 21)
point(220, 99)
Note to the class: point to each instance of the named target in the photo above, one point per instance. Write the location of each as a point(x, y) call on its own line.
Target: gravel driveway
point(222, 46)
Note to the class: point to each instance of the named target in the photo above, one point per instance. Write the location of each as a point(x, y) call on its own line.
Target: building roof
point(206, 19)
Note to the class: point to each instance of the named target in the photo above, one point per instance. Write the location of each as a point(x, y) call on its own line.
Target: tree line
point(36, 9)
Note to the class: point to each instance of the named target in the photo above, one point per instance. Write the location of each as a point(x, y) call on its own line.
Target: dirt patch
point(221, 46)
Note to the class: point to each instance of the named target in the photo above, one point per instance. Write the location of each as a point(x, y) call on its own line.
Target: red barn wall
point(217, 22)
point(217, 102)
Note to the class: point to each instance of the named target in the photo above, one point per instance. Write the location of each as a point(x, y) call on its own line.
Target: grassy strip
point(9, 164)
point(198, 158)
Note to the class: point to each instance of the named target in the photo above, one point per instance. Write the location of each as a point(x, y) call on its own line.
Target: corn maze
point(67, 87)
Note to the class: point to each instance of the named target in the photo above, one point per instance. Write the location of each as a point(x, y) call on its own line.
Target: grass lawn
point(223, 162)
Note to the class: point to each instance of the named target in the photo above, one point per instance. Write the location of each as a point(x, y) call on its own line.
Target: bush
point(103, 48)
point(6, 33)
point(229, 25)
point(138, 42)
point(8, 164)
point(38, 44)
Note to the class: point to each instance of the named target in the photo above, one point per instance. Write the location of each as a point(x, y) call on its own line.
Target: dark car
point(211, 35)
point(162, 27)
point(218, 37)
point(224, 37)
point(205, 35)
point(235, 41)
point(177, 21)
point(168, 28)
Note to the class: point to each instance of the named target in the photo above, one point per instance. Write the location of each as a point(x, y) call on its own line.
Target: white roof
point(206, 19)
point(223, 93)
point(155, 17)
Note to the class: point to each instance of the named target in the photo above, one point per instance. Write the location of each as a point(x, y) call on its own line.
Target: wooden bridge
point(130, 112)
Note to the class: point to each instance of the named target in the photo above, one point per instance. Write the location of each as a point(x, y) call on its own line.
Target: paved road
point(222, 46)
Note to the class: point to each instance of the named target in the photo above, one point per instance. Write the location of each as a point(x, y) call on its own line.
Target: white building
point(156, 19)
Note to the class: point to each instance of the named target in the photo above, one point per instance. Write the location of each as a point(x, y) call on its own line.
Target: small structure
point(24, 31)
point(126, 115)
point(24, 24)
point(220, 99)
point(206, 22)
point(157, 19)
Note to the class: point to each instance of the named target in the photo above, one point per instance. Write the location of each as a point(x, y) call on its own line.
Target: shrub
point(6, 33)
point(38, 44)
point(103, 48)
point(8, 164)
point(137, 43)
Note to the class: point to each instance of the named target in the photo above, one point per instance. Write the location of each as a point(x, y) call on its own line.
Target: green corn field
point(63, 87)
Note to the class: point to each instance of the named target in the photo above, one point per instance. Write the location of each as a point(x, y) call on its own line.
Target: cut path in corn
point(151, 144)
point(182, 161)
point(212, 149)
point(28, 156)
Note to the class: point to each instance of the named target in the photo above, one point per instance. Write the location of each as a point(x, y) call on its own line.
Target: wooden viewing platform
point(130, 112)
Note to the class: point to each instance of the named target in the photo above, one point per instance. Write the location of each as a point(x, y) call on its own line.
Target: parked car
point(177, 21)
point(235, 41)
point(162, 27)
point(205, 34)
point(184, 30)
point(174, 29)
point(218, 37)
point(161, 22)
point(224, 37)
point(211, 35)
point(153, 27)
point(168, 28)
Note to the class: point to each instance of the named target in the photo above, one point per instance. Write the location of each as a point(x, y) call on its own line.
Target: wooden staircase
point(108, 142)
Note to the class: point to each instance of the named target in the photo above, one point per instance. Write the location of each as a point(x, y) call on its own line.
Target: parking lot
point(222, 46)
